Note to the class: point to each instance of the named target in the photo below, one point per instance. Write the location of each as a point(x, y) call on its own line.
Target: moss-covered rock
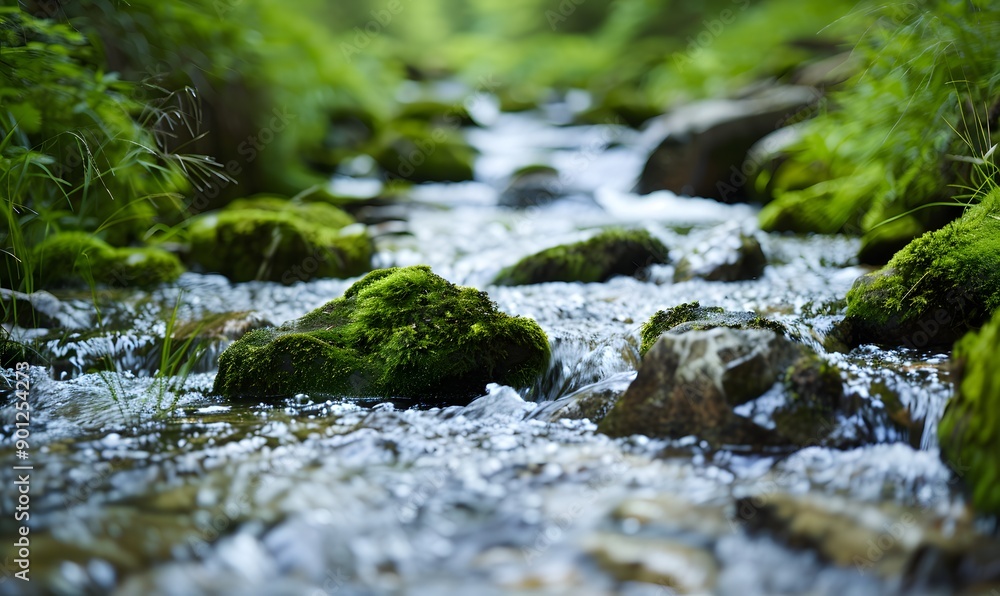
point(531, 186)
point(969, 432)
point(814, 395)
point(627, 107)
point(401, 332)
point(273, 239)
point(420, 153)
point(318, 212)
point(936, 288)
point(689, 384)
point(436, 113)
point(693, 316)
point(610, 253)
point(75, 258)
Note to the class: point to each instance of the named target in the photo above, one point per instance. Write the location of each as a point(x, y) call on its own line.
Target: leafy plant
point(914, 128)
point(176, 364)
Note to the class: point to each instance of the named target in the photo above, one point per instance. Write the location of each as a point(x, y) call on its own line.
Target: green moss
point(397, 332)
point(969, 431)
point(418, 152)
point(610, 253)
point(272, 239)
point(937, 287)
point(436, 113)
point(692, 316)
point(815, 391)
point(819, 209)
point(317, 212)
point(77, 257)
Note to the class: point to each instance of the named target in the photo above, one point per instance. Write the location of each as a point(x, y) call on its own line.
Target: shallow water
point(323, 497)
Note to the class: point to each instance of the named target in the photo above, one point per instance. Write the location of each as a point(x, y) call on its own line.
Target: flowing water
point(131, 495)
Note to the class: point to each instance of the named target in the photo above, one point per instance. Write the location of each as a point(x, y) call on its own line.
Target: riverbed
point(143, 487)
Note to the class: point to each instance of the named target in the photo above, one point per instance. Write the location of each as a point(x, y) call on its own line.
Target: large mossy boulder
point(610, 253)
point(77, 258)
point(400, 332)
point(935, 289)
point(274, 239)
point(969, 432)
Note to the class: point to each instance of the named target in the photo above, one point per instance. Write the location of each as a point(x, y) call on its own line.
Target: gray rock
point(704, 148)
point(532, 186)
point(726, 256)
point(689, 383)
point(592, 402)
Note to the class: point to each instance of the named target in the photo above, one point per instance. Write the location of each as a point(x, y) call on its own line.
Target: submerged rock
point(882, 538)
point(592, 402)
point(610, 253)
point(75, 258)
point(273, 239)
point(705, 150)
point(402, 332)
point(937, 288)
point(693, 316)
point(733, 257)
point(969, 432)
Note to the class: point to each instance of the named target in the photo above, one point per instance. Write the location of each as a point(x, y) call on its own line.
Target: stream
point(317, 497)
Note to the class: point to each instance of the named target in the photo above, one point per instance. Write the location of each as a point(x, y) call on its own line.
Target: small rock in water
point(688, 384)
point(610, 253)
point(727, 256)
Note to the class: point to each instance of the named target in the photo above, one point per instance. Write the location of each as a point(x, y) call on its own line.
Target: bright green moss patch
point(969, 432)
point(273, 239)
point(74, 258)
point(402, 332)
point(936, 288)
point(610, 253)
point(693, 316)
point(319, 213)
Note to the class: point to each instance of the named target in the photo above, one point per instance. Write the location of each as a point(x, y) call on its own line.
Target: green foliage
point(177, 362)
point(268, 75)
point(78, 149)
point(610, 253)
point(903, 133)
point(940, 285)
point(969, 431)
point(397, 332)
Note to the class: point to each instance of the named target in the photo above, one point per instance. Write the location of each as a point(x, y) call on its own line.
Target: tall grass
point(912, 131)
